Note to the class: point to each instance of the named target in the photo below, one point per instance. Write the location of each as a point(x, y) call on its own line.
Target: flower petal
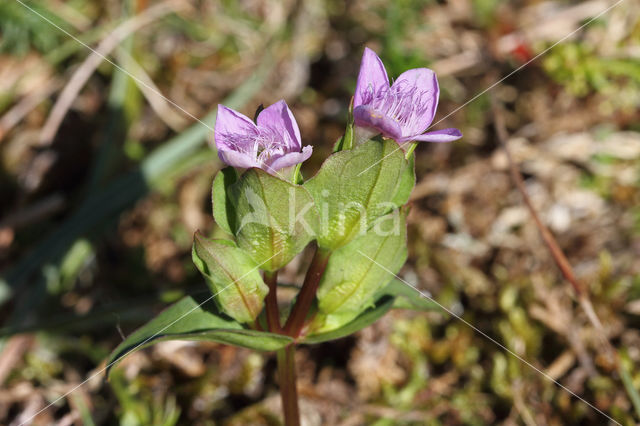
point(230, 122)
point(372, 76)
point(290, 159)
point(444, 135)
point(280, 118)
point(366, 116)
point(426, 100)
point(237, 159)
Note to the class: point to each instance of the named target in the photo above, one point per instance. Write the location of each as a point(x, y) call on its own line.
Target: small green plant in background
point(401, 19)
point(582, 70)
point(140, 406)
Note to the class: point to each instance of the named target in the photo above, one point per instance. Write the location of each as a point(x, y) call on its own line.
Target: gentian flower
point(401, 111)
point(271, 144)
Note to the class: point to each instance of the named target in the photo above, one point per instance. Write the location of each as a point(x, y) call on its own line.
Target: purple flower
point(271, 144)
point(401, 111)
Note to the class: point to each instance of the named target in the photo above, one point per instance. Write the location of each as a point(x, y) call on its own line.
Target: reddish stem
point(271, 301)
point(288, 389)
point(296, 319)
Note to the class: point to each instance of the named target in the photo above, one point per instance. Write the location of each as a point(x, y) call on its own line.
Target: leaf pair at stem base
point(352, 208)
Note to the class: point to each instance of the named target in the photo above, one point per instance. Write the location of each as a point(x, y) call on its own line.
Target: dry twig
point(13, 351)
point(162, 108)
point(27, 104)
point(550, 241)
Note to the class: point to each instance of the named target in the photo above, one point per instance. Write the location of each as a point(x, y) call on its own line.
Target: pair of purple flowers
point(401, 111)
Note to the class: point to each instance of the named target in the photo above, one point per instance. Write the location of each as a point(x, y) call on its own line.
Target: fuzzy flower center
point(401, 102)
point(264, 144)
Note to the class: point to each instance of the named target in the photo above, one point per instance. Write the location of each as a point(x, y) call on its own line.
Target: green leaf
point(625, 366)
point(358, 271)
point(406, 183)
point(222, 207)
point(365, 319)
point(407, 297)
point(274, 219)
point(192, 318)
point(355, 187)
point(232, 275)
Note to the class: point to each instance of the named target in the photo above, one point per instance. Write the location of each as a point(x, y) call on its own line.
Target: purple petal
point(372, 76)
point(230, 122)
point(280, 118)
point(366, 116)
point(444, 135)
point(426, 98)
point(237, 159)
point(290, 159)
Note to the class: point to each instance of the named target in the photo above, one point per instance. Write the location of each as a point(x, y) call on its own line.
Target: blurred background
point(103, 183)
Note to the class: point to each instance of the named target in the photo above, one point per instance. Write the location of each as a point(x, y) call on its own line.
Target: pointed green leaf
point(625, 367)
point(365, 319)
point(223, 210)
point(274, 219)
point(194, 318)
point(346, 141)
point(338, 144)
point(355, 187)
point(358, 271)
point(407, 297)
point(232, 275)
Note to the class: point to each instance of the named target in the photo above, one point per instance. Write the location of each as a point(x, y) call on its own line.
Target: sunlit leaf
point(365, 319)
point(195, 318)
point(358, 271)
point(233, 277)
point(274, 219)
point(407, 297)
point(355, 187)
point(223, 209)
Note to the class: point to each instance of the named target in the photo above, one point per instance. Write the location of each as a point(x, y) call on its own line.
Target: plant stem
point(296, 319)
point(288, 389)
point(410, 150)
point(273, 314)
point(256, 325)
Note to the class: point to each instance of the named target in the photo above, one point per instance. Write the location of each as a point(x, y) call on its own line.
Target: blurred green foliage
point(485, 11)
point(23, 30)
point(402, 18)
point(583, 70)
point(140, 405)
